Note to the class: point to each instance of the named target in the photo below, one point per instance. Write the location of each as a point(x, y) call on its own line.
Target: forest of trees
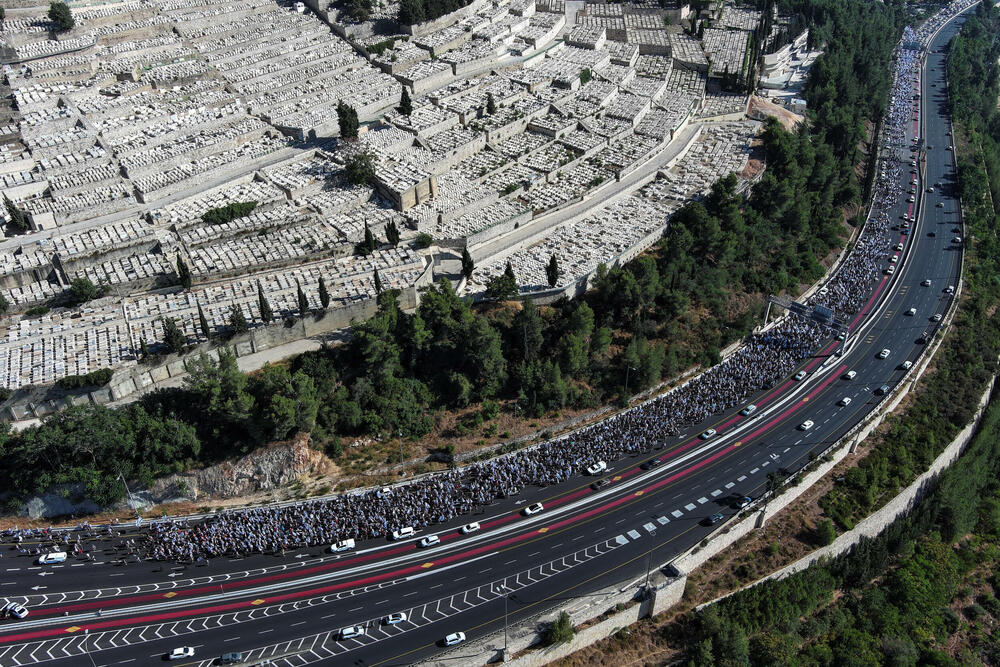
point(925, 590)
point(698, 289)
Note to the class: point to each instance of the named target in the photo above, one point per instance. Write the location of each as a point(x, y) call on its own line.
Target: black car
point(882, 391)
point(651, 463)
point(712, 520)
point(230, 659)
point(600, 484)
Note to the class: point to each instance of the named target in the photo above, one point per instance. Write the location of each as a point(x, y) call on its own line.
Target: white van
point(54, 557)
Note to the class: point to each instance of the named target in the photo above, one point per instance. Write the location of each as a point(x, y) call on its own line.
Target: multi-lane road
point(289, 608)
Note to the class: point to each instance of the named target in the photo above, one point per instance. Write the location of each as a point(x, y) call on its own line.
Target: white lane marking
point(690, 506)
point(741, 478)
point(754, 471)
point(716, 493)
point(730, 485)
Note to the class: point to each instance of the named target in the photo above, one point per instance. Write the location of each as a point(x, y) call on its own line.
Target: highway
point(290, 607)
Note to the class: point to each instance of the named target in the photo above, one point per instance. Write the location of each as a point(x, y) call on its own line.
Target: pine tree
point(378, 283)
point(60, 15)
point(392, 233)
point(468, 266)
point(405, 103)
point(508, 273)
point(203, 322)
point(18, 223)
point(324, 295)
point(552, 271)
point(266, 315)
point(237, 321)
point(303, 301)
point(491, 104)
point(183, 273)
point(143, 349)
point(173, 337)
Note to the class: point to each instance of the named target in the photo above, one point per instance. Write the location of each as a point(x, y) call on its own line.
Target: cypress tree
point(378, 283)
point(265, 308)
point(468, 266)
point(183, 273)
point(324, 295)
point(405, 103)
point(370, 243)
point(491, 104)
point(392, 233)
point(203, 322)
point(552, 271)
point(303, 301)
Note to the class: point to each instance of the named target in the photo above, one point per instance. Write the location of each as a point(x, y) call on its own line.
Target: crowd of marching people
point(846, 292)
point(763, 360)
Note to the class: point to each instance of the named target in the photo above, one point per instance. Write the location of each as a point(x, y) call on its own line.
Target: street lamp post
point(86, 649)
point(649, 563)
point(129, 494)
point(627, 369)
point(506, 592)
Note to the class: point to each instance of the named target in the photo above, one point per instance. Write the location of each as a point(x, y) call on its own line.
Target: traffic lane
point(664, 484)
point(135, 572)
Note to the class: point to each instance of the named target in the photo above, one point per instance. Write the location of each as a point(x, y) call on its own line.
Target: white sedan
point(454, 638)
point(597, 468)
point(884, 354)
point(470, 528)
point(181, 652)
point(806, 425)
point(534, 508)
point(430, 541)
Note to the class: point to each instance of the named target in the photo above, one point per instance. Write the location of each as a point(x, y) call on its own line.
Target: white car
point(470, 528)
point(534, 508)
point(884, 353)
point(403, 533)
point(343, 545)
point(748, 410)
point(899, 246)
point(906, 365)
point(850, 375)
point(800, 375)
point(956, 239)
point(950, 289)
point(911, 312)
point(950, 148)
point(597, 468)
point(895, 258)
point(350, 632)
point(845, 401)
point(806, 425)
point(454, 638)
point(936, 317)
point(430, 541)
point(926, 282)
point(54, 557)
point(393, 619)
point(710, 433)
point(13, 609)
point(891, 270)
point(181, 652)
